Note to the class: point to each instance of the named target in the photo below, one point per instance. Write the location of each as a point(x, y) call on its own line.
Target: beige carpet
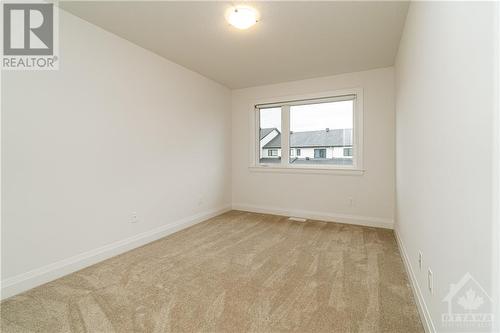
point(237, 272)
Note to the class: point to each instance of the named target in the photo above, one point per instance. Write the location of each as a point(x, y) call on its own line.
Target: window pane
point(270, 135)
point(322, 133)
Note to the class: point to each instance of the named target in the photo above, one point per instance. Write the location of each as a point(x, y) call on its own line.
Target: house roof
point(265, 132)
point(323, 138)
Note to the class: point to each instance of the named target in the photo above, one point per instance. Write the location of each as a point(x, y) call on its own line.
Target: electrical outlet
point(420, 259)
point(350, 201)
point(134, 218)
point(430, 281)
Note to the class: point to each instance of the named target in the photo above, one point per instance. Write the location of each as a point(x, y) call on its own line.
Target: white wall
point(445, 109)
point(116, 130)
point(322, 195)
point(496, 180)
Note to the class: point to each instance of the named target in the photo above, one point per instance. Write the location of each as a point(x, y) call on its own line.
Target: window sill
point(310, 170)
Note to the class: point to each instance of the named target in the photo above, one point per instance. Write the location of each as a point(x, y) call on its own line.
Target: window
point(321, 132)
point(319, 128)
point(320, 153)
point(270, 135)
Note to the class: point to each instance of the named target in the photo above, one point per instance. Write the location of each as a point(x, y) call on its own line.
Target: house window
point(320, 153)
point(323, 132)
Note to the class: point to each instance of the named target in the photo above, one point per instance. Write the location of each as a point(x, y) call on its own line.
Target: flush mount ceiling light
point(242, 17)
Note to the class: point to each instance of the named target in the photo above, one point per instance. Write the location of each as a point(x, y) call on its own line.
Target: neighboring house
point(325, 145)
point(266, 135)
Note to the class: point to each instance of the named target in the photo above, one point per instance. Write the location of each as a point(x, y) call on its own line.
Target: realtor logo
point(469, 306)
point(29, 36)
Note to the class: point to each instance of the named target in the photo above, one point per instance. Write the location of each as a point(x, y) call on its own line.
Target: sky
point(312, 117)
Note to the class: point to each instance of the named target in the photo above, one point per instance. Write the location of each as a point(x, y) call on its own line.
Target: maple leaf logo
point(470, 301)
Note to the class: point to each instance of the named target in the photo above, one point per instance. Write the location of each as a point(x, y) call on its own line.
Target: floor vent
point(298, 219)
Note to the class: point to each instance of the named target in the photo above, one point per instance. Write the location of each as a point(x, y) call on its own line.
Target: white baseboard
point(417, 293)
point(36, 277)
point(329, 217)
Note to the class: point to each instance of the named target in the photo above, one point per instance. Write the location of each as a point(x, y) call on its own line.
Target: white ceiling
point(292, 40)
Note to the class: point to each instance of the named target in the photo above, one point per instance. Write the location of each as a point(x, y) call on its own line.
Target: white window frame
point(285, 102)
